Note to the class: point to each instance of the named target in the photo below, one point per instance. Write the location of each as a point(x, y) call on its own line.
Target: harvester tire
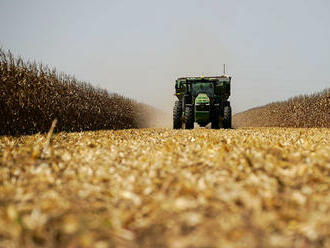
point(189, 117)
point(177, 115)
point(227, 117)
point(215, 123)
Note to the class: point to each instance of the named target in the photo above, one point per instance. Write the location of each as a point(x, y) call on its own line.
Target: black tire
point(215, 123)
point(227, 117)
point(189, 117)
point(177, 115)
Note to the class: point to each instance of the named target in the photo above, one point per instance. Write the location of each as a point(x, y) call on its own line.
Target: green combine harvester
point(202, 100)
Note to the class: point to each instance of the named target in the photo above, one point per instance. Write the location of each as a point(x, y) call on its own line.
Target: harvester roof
point(203, 78)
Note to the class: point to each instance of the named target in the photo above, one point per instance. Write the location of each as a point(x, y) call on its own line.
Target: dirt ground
point(257, 187)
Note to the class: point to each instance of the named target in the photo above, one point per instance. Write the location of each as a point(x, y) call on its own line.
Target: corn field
point(302, 111)
point(33, 95)
point(153, 187)
point(249, 187)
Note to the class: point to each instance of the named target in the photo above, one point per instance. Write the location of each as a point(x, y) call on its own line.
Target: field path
point(258, 187)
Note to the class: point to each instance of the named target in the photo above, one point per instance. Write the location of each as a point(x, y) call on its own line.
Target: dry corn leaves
point(32, 96)
point(301, 111)
point(261, 187)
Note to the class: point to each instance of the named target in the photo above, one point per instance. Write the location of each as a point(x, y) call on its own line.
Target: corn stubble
point(301, 111)
point(32, 96)
point(257, 187)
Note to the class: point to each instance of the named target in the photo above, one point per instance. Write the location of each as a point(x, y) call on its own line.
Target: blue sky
point(273, 49)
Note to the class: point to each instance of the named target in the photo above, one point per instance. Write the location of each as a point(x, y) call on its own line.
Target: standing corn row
point(32, 96)
point(301, 111)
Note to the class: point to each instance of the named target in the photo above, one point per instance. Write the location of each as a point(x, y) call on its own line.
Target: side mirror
point(178, 85)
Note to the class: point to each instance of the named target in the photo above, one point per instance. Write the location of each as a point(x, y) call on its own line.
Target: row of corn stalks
point(302, 111)
point(33, 95)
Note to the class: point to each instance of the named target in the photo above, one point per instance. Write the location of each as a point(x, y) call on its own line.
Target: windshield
point(206, 88)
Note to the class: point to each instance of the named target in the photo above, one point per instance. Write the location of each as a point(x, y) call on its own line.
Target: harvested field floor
point(258, 187)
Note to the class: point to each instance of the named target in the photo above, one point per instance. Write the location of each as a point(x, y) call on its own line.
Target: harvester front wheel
point(227, 117)
point(177, 115)
point(189, 117)
point(215, 123)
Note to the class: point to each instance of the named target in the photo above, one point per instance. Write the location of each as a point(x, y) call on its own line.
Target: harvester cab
point(202, 100)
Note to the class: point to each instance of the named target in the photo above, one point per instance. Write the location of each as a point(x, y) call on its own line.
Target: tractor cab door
point(187, 95)
point(222, 88)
